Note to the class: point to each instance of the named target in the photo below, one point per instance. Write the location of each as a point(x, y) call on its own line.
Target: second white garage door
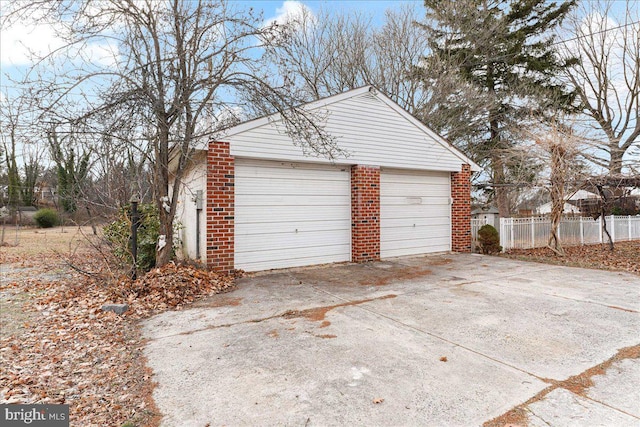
point(415, 214)
point(291, 214)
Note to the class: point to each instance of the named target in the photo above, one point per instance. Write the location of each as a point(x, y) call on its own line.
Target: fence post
point(559, 228)
point(533, 233)
point(613, 228)
point(629, 222)
point(601, 229)
point(512, 238)
point(581, 232)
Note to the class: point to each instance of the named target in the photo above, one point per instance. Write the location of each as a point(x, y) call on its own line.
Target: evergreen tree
point(71, 173)
point(506, 50)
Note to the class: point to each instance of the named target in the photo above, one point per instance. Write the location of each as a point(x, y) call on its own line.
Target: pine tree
point(506, 50)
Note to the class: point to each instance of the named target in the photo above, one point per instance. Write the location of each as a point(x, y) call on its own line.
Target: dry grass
point(34, 242)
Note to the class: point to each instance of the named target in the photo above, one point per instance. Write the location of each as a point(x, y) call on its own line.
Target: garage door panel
point(289, 240)
point(415, 214)
point(409, 232)
point(291, 259)
point(417, 246)
point(291, 216)
point(258, 228)
point(274, 170)
point(256, 186)
point(412, 212)
point(419, 190)
point(284, 214)
point(437, 223)
point(304, 200)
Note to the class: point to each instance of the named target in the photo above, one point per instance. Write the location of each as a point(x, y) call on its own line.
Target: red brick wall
point(461, 210)
point(365, 213)
point(220, 207)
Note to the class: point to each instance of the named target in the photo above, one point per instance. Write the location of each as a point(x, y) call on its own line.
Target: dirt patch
point(396, 273)
point(40, 243)
point(326, 336)
point(577, 384)
point(624, 257)
point(318, 314)
point(13, 316)
point(273, 333)
point(220, 301)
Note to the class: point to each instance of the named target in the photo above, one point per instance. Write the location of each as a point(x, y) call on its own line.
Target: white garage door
point(291, 214)
point(415, 215)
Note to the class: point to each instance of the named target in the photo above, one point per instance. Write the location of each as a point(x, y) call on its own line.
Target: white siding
point(289, 215)
point(368, 129)
point(415, 213)
point(194, 179)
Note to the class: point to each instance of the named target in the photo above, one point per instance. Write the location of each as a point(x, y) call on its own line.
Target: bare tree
point(168, 64)
point(607, 78)
point(330, 52)
point(561, 149)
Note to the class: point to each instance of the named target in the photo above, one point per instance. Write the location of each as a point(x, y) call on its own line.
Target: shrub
point(489, 239)
point(46, 218)
point(118, 233)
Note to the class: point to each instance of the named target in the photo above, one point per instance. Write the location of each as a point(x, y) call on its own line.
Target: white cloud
point(290, 11)
point(19, 41)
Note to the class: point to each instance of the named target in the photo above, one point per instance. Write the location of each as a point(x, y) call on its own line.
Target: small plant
point(118, 233)
point(46, 218)
point(489, 239)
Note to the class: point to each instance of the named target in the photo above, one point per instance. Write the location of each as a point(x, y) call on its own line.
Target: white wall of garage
point(369, 127)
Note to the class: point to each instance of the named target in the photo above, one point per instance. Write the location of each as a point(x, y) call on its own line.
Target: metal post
point(135, 221)
point(199, 205)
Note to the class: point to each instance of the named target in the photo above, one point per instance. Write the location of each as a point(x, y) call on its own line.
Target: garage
point(291, 214)
point(415, 212)
point(380, 184)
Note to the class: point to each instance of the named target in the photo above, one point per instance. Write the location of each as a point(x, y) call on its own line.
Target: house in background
point(489, 214)
point(581, 202)
point(399, 189)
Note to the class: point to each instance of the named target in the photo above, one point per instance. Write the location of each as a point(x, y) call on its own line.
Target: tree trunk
point(500, 193)
point(558, 167)
point(166, 207)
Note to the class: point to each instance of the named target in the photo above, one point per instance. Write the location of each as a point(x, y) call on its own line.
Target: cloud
point(22, 40)
point(291, 11)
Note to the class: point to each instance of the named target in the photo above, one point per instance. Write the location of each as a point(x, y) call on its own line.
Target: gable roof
point(368, 126)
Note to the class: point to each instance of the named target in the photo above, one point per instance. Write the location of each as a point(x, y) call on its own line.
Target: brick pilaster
point(461, 210)
point(220, 207)
point(365, 213)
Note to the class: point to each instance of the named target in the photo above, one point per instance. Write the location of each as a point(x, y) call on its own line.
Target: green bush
point(489, 239)
point(118, 233)
point(46, 218)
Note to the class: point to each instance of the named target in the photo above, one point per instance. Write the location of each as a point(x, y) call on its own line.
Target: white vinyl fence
point(526, 233)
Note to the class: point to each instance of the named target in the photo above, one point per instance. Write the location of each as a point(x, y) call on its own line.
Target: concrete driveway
point(441, 340)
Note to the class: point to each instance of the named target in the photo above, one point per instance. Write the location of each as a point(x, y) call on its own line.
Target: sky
point(18, 40)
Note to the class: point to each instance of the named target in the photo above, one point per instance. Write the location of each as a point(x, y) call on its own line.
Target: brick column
point(220, 207)
point(365, 213)
point(461, 210)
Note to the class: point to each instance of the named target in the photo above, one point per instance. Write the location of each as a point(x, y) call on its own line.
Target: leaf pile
point(170, 286)
point(70, 351)
point(624, 257)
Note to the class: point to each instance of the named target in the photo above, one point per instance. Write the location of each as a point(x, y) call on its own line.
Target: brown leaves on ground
point(624, 257)
point(170, 286)
point(69, 351)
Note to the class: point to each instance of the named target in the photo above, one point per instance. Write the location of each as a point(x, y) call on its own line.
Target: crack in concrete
point(313, 313)
point(577, 385)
